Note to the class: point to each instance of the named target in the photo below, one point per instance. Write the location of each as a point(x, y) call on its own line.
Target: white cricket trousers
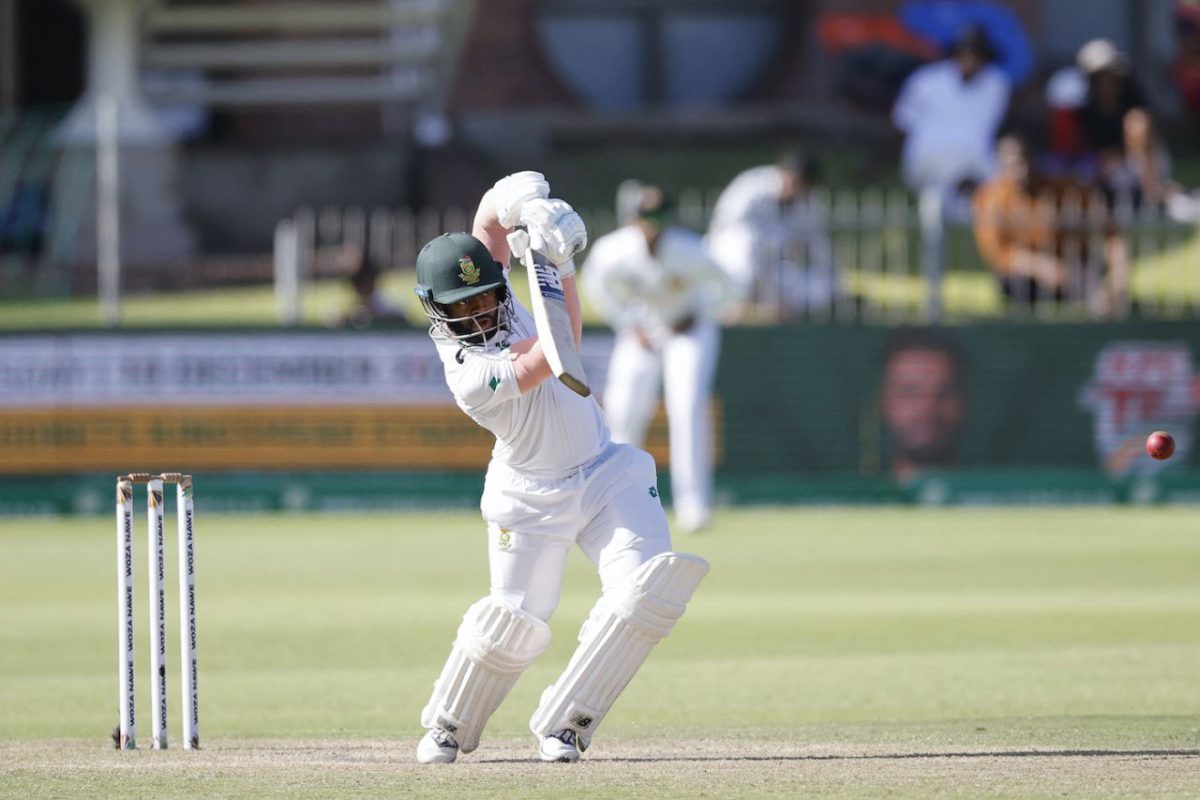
point(684, 367)
point(609, 507)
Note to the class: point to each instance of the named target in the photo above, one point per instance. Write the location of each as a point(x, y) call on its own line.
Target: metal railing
point(881, 256)
point(330, 242)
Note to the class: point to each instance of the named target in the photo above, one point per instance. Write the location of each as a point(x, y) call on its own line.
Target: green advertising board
point(808, 414)
point(816, 399)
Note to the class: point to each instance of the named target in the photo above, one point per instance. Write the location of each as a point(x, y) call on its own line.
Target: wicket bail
point(127, 733)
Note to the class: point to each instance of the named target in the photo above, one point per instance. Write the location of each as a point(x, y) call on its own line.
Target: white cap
point(1101, 54)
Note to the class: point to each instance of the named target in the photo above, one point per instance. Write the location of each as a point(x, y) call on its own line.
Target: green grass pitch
point(830, 653)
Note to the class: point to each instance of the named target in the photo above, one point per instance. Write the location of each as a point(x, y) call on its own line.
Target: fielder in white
point(770, 233)
point(556, 479)
point(655, 284)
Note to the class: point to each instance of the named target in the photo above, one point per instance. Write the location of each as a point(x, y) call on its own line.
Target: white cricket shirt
point(950, 123)
point(546, 432)
point(633, 288)
point(751, 231)
point(751, 198)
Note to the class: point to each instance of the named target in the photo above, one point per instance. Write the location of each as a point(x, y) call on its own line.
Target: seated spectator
point(1116, 129)
point(1102, 134)
point(769, 233)
point(1041, 236)
point(949, 112)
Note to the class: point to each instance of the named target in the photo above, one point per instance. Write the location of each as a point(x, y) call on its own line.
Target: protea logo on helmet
point(468, 271)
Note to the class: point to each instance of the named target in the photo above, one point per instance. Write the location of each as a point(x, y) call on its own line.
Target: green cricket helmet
point(455, 267)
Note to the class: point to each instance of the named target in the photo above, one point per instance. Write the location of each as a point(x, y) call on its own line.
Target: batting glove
point(511, 192)
point(518, 245)
point(555, 230)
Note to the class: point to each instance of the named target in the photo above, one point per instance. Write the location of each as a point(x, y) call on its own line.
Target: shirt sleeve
point(483, 379)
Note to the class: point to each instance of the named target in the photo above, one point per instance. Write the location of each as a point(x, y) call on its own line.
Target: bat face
point(554, 328)
point(547, 278)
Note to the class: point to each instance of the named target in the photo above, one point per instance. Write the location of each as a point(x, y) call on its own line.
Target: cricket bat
point(553, 322)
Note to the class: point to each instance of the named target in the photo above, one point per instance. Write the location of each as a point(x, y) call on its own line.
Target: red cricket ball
point(1160, 445)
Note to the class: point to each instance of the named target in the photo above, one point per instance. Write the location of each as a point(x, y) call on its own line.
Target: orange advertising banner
point(246, 437)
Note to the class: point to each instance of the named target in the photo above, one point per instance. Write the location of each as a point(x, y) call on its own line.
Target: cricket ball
point(1160, 445)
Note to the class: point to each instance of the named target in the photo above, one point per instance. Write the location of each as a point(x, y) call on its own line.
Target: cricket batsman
point(555, 479)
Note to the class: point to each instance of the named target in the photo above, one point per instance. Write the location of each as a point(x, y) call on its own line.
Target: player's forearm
point(530, 364)
point(487, 228)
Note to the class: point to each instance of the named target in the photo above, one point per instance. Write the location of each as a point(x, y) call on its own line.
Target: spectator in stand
point(1039, 236)
point(949, 112)
point(769, 233)
point(1102, 133)
point(1115, 127)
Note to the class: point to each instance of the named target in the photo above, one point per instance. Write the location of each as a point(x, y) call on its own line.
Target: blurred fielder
point(555, 479)
point(770, 233)
point(657, 287)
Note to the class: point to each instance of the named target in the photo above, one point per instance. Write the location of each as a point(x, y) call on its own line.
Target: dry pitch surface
point(698, 768)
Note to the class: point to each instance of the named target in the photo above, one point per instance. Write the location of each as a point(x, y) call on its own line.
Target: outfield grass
point(1013, 653)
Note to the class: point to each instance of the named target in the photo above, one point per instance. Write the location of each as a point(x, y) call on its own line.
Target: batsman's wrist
point(567, 269)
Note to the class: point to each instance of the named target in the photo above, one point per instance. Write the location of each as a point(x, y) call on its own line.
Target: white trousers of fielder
point(683, 369)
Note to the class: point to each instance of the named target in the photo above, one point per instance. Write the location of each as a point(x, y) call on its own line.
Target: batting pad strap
point(617, 637)
point(494, 645)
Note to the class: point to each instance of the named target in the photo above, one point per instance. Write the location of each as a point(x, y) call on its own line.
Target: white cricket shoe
point(559, 746)
point(437, 747)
